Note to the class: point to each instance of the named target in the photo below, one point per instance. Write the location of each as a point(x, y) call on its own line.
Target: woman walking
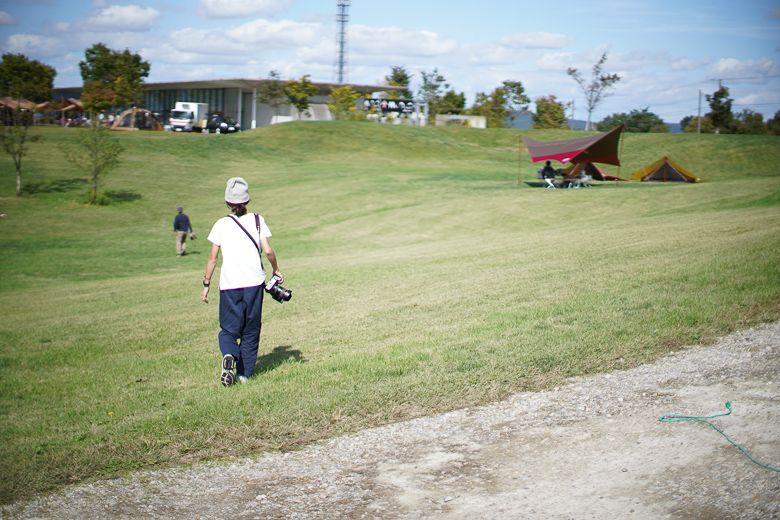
point(240, 236)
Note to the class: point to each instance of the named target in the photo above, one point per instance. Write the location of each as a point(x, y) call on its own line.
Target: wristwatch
point(206, 284)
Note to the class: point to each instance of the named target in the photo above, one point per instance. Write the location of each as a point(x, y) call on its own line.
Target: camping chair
point(578, 181)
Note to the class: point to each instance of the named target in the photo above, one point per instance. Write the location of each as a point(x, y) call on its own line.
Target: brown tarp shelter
point(13, 103)
point(574, 170)
point(63, 104)
point(664, 170)
point(137, 119)
point(602, 148)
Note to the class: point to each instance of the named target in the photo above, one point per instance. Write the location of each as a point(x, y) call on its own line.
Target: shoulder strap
point(250, 236)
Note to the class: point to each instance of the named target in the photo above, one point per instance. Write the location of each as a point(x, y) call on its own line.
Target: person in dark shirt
point(548, 174)
point(181, 225)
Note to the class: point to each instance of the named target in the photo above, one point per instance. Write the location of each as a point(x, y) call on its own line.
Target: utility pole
point(698, 119)
point(342, 17)
point(572, 115)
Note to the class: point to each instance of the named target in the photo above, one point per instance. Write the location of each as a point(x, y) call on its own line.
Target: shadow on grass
point(277, 357)
point(122, 196)
point(55, 186)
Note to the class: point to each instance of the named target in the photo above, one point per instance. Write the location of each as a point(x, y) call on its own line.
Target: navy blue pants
point(240, 317)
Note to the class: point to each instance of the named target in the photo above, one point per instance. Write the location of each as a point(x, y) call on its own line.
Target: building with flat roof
point(236, 98)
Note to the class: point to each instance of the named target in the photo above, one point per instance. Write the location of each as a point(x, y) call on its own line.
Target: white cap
point(237, 191)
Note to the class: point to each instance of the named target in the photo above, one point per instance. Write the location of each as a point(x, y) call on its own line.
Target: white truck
point(189, 117)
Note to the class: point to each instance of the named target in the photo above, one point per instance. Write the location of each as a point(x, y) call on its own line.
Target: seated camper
point(576, 176)
point(548, 173)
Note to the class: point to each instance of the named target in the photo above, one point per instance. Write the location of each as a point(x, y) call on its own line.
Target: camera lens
point(280, 294)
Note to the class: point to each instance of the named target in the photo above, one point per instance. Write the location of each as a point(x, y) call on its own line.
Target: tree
point(298, 93)
point(773, 125)
point(27, 82)
point(97, 96)
point(693, 126)
point(721, 116)
point(97, 154)
point(271, 92)
point(342, 102)
point(515, 99)
point(749, 122)
point(639, 121)
point(399, 77)
point(502, 105)
point(23, 78)
point(107, 71)
point(595, 90)
point(550, 113)
point(432, 90)
point(452, 103)
point(491, 107)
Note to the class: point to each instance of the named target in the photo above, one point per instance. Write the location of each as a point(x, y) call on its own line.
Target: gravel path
point(592, 448)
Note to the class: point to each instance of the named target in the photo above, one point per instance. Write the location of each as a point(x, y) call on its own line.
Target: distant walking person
point(181, 225)
point(241, 236)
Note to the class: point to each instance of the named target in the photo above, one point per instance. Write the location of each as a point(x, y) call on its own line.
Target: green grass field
point(424, 279)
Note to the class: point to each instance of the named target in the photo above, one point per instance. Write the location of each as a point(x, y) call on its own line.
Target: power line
point(734, 79)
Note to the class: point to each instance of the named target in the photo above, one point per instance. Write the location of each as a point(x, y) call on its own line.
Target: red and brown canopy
point(602, 148)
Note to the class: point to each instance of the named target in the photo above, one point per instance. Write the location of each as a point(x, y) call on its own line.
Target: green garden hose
point(681, 418)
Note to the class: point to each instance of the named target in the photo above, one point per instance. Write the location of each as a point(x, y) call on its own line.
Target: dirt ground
point(592, 448)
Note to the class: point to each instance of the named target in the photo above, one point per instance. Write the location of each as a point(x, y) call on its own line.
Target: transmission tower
point(341, 40)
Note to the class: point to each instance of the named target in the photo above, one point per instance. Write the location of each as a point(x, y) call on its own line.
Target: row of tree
point(721, 119)
point(117, 78)
point(503, 105)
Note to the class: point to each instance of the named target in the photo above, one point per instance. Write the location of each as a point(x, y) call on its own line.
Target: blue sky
point(665, 51)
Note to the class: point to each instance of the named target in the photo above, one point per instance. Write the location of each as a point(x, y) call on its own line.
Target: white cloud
point(680, 64)
point(536, 40)
point(7, 19)
point(184, 72)
point(252, 39)
point(490, 54)
point(240, 8)
point(167, 55)
point(323, 52)
point(123, 17)
point(383, 41)
point(282, 33)
point(745, 70)
point(33, 45)
point(582, 61)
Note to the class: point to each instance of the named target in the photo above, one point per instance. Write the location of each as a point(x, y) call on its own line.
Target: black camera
point(278, 292)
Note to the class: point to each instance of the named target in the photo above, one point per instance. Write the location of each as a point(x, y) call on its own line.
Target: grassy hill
point(424, 279)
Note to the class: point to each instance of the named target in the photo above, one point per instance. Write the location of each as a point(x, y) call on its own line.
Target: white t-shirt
point(241, 265)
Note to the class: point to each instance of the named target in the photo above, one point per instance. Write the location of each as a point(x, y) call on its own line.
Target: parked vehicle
point(189, 117)
point(219, 124)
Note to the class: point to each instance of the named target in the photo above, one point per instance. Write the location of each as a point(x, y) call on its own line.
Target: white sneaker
point(228, 377)
point(243, 379)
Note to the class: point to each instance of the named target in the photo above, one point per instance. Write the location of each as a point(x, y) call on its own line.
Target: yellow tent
point(664, 170)
point(137, 119)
